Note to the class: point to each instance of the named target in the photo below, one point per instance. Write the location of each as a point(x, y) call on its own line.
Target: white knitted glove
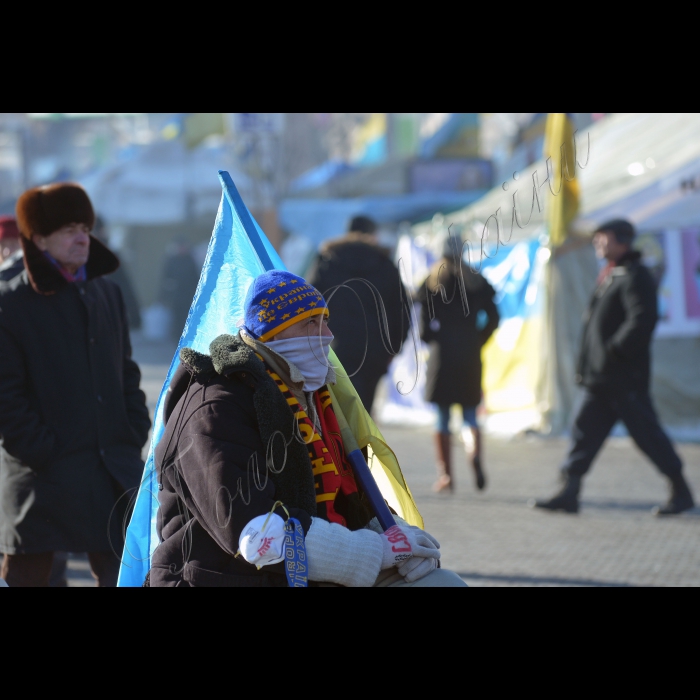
point(402, 543)
point(417, 567)
point(339, 555)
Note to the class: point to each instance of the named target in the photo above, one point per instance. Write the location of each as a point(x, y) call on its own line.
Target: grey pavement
point(493, 538)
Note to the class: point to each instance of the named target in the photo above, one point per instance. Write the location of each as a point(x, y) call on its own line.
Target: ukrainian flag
point(238, 252)
point(562, 208)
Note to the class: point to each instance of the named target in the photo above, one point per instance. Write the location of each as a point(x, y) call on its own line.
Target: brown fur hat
point(43, 210)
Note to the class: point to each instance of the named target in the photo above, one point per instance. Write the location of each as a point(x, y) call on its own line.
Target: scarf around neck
point(79, 276)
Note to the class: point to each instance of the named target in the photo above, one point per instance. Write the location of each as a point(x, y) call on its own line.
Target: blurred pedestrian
point(72, 416)
point(121, 277)
point(613, 367)
point(11, 263)
point(178, 284)
point(365, 294)
point(458, 316)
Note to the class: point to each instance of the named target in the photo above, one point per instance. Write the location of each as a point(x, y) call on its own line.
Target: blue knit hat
point(276, 300)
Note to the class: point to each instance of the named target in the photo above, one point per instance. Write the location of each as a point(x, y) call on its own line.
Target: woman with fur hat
point(251, 440)
point(72, 416)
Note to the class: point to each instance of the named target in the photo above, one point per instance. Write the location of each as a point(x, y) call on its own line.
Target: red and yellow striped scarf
point(337, 497)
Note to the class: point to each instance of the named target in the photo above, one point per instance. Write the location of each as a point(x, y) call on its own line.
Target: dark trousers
point(597, 416)
point(34, 570)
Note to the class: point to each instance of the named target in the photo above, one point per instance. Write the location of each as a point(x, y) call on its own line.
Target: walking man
point(614, 367)
point(73, 419)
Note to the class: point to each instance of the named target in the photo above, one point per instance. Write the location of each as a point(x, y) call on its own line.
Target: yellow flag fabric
point(380, 457)
point(562, 207)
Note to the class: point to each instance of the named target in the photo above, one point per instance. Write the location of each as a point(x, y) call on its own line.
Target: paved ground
point(494, 539)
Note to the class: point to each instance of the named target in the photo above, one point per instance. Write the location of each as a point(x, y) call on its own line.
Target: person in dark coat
point(73, 419)
point(252, 438)
point(11, 263)
point(366, 296)
point(614, 367)
point(458, 316)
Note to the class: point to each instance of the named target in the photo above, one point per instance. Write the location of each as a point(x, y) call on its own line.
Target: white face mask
point(309, 354)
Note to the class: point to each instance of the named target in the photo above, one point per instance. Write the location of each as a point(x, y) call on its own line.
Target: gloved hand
point(402, 543)
point(417, 567)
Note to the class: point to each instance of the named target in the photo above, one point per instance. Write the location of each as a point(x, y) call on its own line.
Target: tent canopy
point(164, 183)
point(635, 168)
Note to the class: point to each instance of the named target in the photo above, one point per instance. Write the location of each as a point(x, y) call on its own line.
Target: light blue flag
point(238, 252)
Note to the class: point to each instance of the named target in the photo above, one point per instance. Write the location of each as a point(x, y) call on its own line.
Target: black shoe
point(566, 500)
point(479, 476)
point(681, 499)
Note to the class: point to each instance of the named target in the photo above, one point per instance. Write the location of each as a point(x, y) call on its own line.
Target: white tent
point(164, 183)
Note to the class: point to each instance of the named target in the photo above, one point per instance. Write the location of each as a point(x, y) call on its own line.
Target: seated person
point(251, 439)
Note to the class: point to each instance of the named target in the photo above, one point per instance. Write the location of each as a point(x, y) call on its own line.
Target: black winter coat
point(356, 315)
point(13, 266)
point(449, 327)
point(72, 417)
point(222, 413)
point(619, 324)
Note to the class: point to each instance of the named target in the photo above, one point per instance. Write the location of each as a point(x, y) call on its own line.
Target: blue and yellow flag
point(562, 208)
point(238, 252)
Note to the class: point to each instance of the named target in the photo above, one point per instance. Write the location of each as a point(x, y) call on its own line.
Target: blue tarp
point(320, 175)
point(319, 219)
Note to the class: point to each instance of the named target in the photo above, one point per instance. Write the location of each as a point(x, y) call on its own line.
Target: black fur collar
point(46, 279)
point(289, 463)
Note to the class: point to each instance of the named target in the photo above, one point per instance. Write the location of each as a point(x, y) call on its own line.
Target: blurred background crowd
point(420, 176)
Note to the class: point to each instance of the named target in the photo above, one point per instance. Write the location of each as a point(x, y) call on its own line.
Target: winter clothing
point(451, 301)
point(229, 453)
point(43, 210)
point(276, 300)
point(454, 301)
point(12, 266)
point(356, 315)
point(566, 499)
point(225, 408)
point(35, 570)
point(618, 327)
point(614, 366)
point(72, 416)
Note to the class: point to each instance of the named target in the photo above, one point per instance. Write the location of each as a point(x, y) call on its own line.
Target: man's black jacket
point(619, 324)
point(361, 314)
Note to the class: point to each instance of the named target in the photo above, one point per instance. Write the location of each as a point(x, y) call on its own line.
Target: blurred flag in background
point(559, 145)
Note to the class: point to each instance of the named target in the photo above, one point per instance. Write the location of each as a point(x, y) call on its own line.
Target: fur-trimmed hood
point(231, 358)
point(46, 279)
point(329, 247)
